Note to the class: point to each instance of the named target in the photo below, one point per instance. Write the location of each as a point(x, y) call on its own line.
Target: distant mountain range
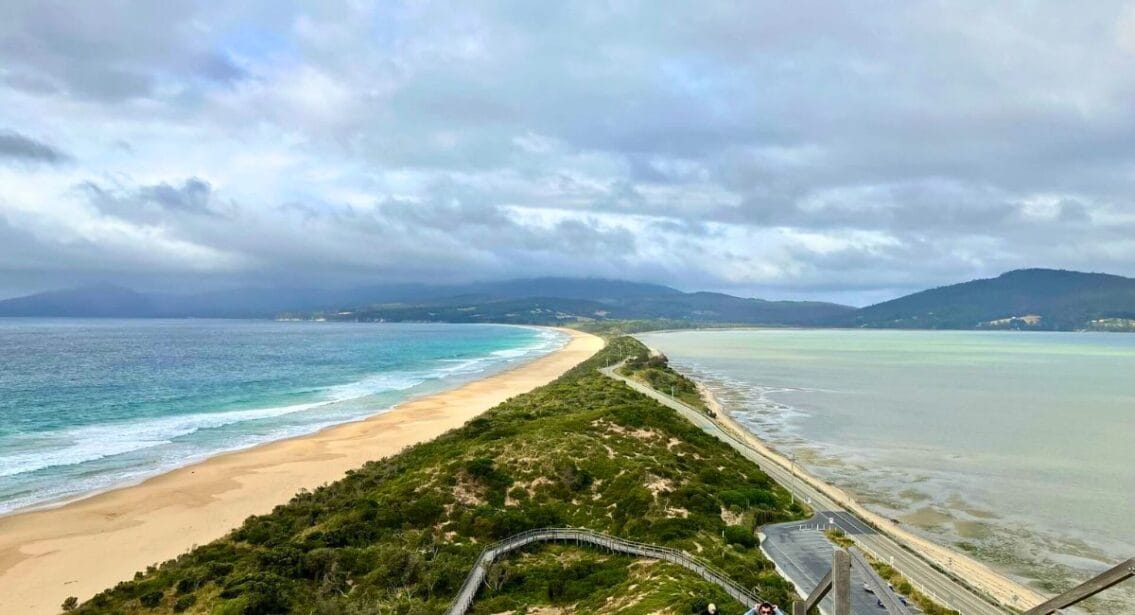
point(674, 305)
point(529, 301)
point(1039, 299)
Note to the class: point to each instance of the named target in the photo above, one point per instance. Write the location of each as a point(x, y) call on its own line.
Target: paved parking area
point(803, 554)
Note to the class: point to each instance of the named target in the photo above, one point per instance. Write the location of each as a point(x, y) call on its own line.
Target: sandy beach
point(89, 545)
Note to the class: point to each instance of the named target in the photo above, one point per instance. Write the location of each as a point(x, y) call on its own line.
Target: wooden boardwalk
point(578, 536)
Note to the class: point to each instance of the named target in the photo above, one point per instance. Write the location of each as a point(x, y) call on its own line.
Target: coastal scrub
point(399, 535)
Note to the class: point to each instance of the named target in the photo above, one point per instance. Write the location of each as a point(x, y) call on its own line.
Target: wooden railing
point(579, 536)
point(1086, 590)
point(838, 580)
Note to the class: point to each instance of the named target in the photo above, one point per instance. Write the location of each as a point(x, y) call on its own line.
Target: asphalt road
point(940, 587)
point(803, 554)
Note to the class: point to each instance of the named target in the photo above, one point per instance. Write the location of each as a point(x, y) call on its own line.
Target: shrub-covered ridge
point(398, 535)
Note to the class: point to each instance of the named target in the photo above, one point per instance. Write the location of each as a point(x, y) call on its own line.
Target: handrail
point(476, 576)
point(1087, 589)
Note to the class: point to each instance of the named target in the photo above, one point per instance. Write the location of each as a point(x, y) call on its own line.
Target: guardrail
point(580, 536)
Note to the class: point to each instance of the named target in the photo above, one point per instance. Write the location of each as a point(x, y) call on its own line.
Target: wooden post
point(841, 581)
point(814, 598)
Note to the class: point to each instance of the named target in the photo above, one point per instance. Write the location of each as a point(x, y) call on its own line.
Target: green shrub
point(424, 510)
point(695, 498)
point(747, 497)
point(677, 528)
point(184, 602)
point(186, 585)
point(151, 599)
point(265, 594)
point(738, 535)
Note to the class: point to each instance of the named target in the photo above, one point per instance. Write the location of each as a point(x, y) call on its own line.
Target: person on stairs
point(765, 608)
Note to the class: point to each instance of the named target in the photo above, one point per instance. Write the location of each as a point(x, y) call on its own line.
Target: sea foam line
point(78, 445)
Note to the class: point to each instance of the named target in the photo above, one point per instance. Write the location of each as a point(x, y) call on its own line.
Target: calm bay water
point(90, 404)
point(1019, 448)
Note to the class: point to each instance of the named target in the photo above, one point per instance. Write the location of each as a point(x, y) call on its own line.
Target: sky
point(773, 149)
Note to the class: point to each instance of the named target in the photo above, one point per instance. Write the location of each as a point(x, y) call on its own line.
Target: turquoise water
point(1019, 447)
point(90, 404)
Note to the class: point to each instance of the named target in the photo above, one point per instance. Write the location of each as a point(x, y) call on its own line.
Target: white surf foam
point(375, 384)
point(78, 445)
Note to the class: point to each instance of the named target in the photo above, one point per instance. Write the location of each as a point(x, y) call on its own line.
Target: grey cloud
point(396, 240)
point(586, 239)
point(1073, 212)
point(27, 256)
point(20, 250)
point(16, 146)
point(218, 67)
point(681, 226)
point(452, 214)
point(153, 203)
point(110, 52)
point(671, 141)
point(192, 196)
point(933, 204)
point(29, 82)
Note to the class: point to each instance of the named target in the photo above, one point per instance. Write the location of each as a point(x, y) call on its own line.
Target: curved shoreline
point(85, 546)
point(66, 500)
point(975, 573)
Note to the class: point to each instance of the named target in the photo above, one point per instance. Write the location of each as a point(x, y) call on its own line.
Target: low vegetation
point(654, 370)
point(589, 582)
point(838, 537)
point(615, 328)
point(892, 576)
point(902, 586)
point(399, 535)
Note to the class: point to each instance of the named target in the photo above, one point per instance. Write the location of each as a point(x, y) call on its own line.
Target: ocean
point(87, 405)
point(1018, 448)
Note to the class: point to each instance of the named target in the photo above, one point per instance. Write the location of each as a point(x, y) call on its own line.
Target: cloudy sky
point(773, 149)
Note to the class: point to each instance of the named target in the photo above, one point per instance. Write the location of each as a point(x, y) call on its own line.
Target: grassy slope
point(399, 535)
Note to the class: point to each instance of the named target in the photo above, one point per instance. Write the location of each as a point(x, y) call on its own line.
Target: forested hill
point(1033, 299)
point(521, 301)
point(692, 308)
point(111, 300)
